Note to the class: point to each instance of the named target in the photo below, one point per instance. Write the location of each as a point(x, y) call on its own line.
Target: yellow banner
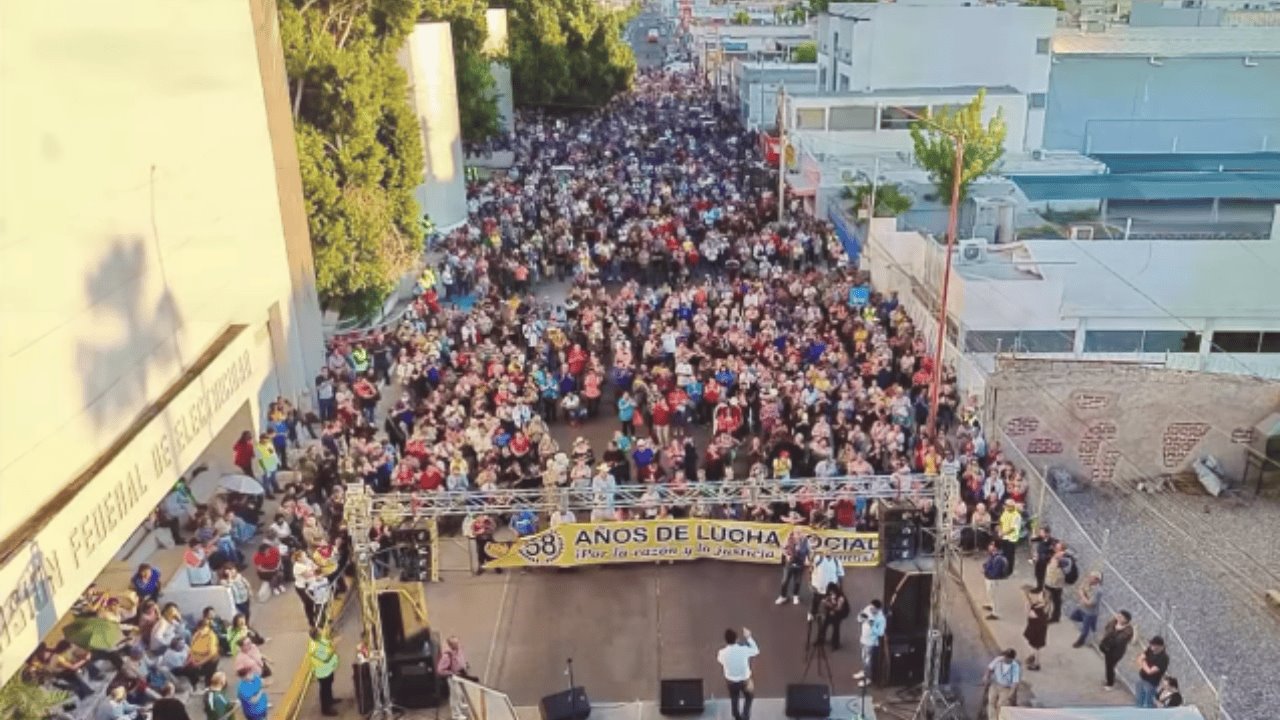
point(604, 543)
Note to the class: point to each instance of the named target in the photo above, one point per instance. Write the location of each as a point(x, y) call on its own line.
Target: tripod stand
point(815, 649)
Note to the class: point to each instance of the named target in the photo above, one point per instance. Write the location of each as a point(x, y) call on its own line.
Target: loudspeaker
point(808, 701)
point(904, 661)
point(392, 621)
point(414, 687)
point(890, 511)
point(362, 680)
point(900, 540)
point(681, 697)
point(566, 705)
point(944, 672)
point(908, 587)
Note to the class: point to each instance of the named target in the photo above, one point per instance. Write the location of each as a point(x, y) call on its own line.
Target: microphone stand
point(573, 696)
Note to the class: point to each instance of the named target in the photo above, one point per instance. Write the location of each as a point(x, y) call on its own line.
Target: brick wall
point(1109, 421)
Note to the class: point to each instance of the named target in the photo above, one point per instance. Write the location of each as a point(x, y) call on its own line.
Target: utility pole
point(875, 185)
point(782, 152)
point(939, 352)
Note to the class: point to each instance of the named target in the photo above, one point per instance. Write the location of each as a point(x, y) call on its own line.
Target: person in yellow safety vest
point(323, 657)
point(360, 360)
point(428, 279)
point(1010, 530)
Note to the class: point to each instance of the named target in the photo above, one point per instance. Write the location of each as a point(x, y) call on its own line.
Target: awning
point(1152, 186)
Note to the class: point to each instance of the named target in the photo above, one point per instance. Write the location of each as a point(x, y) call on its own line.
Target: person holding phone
point(735, 658)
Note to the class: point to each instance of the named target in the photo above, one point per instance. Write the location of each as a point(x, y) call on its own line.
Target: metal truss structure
point(423, 509)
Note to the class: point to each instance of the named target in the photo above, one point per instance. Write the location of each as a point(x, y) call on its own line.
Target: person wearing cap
point(1116, 637)
point(603, 492)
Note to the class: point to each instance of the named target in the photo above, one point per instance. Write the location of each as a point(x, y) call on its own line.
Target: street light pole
point(939, 351)
point(782, 151)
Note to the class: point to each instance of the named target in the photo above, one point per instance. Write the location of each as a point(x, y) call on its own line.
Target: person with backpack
point(994, 569)
point(1088, 603)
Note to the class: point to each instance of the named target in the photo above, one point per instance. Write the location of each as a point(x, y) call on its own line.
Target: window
point(1236, 342)
point(1046, 341)
point(1036, 101)
point(844, 81)
point(811, 119)
point(853, 117)
point(990, 341)
point(892, 118)
point(1112, 341)
point(1042, 46)
point(1270, 342)
point(1174, 341)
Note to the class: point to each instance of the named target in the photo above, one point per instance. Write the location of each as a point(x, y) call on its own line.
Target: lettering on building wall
point(1105, 468)
point(118, 501)
point(1180, 439)
point(1044, 446)
point(1242, 436)
point(1091, 444)
point(31, 600)
point(1091, 400)
point(1021, 426)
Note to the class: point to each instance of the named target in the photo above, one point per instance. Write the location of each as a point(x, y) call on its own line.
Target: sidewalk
point(1071, 677)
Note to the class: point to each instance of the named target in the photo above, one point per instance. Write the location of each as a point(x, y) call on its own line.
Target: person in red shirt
point(269, 565)
point(432, 478)
point(661, 420)
point(242, 453)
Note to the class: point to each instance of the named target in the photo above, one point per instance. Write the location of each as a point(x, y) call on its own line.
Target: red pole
point(938, 353)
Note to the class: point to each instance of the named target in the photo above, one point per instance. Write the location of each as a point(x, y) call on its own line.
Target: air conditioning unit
point(971, 251)
point(1037, 154)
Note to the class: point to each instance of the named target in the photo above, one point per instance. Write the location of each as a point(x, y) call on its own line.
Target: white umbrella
point(242, 484)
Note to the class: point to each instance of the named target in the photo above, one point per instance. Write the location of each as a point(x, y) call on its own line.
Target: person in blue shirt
point(643, 456)
point(146, 582)
point(525, 522)
point(252, 695)
point(627, 413)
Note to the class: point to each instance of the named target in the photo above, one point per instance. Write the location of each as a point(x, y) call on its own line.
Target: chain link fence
point(1151, 616)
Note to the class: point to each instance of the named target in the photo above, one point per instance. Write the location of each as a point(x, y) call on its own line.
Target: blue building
point(1165, 90)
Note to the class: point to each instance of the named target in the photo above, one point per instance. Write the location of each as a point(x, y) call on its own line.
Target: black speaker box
point(566, 705)
point(908, 587)
point(362, 680)
point(900, 540)
point(808, 701)
point(681, 697)
point(904, 661)
point(392, 621)
point(414, 687)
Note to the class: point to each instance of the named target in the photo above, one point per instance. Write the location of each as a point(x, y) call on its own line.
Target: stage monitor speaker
point(415, 687)
point(566, 705)
point(896, 511)
point(908, 587)
point(904, 661)
point(900, 540)
point(392, 621)
point(808, 701)
point(681, 697)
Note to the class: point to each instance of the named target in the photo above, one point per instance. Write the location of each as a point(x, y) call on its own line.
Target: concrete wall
point(140, 216)
point(1123, 422)
point(496, 45)
point(428, 58)
point(1100, 104)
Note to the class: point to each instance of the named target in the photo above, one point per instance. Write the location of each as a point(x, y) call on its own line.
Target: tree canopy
point(568, 53)
point(477, 105)
point(741, 17)
point(891, 201)
point(805, 52)
point(935, 148)
point(359, 144)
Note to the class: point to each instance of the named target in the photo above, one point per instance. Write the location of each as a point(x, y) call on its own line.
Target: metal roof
point(1169, 41)
point(1152, 186)
point(1123, 163)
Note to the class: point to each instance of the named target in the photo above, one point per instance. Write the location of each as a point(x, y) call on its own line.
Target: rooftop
point(968, 91)
point(1169, 41)
point(1151, 186)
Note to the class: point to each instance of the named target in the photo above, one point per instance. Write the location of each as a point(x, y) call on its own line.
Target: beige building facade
point(156, 281)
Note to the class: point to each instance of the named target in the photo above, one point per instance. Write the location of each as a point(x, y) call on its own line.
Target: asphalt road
point(648, 55)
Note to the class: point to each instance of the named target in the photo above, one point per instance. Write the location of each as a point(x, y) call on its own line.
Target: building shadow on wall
point(130, 334)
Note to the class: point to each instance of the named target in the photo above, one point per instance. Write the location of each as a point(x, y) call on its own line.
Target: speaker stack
point(681, 697)
point(808, 701)
point(899, 530)
point(566, 705)
point(908, 592)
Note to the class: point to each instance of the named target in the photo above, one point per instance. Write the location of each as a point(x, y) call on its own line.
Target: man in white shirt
point(826, 570)
point(873, 627)
point(735, 658)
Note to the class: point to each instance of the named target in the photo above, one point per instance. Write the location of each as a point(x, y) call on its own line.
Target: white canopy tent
point(1100, 713)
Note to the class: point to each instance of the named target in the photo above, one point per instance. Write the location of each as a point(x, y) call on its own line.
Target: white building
point(754, 88)
point(1189, 304)
point(156, 278)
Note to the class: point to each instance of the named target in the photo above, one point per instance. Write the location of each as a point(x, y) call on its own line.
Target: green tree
point(477, 104)
point(22, 700)
point(935, 144)
point(817, 7)
point(1060, 5)
point(890, 200)
point(805, 52)
point(741, 17)
point(359, 144)
point(568, 53)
